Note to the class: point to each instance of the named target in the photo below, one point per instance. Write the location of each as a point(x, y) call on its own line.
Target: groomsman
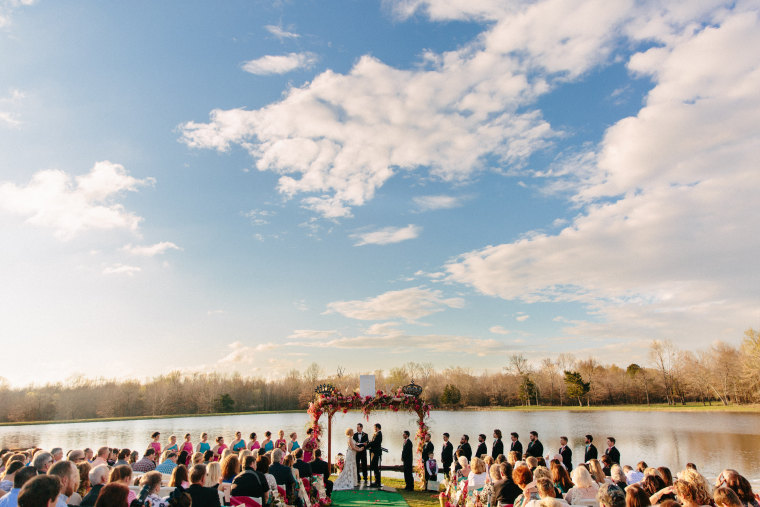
point(535, 447)
point(482, 447)
point(590, 452)
point(516, 445)
point(464, 447)
point(376, 453)
point(498, 446)
point(611, 451)
point(427, 450)
point(447, 455)
point(567, 453)
point(407, 458)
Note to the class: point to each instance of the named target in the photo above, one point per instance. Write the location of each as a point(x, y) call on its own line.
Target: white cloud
point(280, 64)
point(279, 32)
point(259, 216)
point(9, 115)
point(498, 330)
point(666, 245)
point(387, 235)
point(152, 250)
point(407, 304)
point(522, 318)
point(7, 7)
point(436, 202)
point(69, 205)
point(121, 269)
point(311, 334)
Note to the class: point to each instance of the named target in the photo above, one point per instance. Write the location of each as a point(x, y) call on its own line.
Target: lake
point(711, 440)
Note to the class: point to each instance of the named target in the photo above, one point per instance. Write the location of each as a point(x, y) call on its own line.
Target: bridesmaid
point(238, 444)
point(267, 443)
point(203, 445)
point(293, 444)
point(172, 445)
point(155, 444)
point(253, 443)
point(280, 440)
point(310, 444)
point(187, 446)
point(219, 448)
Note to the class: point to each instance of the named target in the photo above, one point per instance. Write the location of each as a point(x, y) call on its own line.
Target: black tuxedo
point(590, 453)
point(250, 483)
point(535, 448)
point(567, 457)
point(375, 447)
point(465, 450)
point(407, 458)
point(204, 496)
point(426, 450)
point(497, 448)
point(361, 456)
point(319, 467)
point(613, 454)
point(505, 491)
point(447, 458)
point(482, 450)
point(517, 447)
point(304, 469)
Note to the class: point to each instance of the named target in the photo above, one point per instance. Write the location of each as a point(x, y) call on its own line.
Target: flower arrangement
point(318, 495)
point(454, 493)
point(340, 462)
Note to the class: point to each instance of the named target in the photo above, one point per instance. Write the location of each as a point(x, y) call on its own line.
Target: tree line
point(722, 374)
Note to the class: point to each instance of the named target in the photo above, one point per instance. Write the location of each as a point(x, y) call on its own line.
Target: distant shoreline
point(655, 407)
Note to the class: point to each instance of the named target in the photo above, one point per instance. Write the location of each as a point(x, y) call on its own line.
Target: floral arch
point(330, 401)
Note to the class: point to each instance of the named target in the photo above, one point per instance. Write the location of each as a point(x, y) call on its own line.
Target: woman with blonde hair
point(618, 476)
point(689, 494)
point(476, 479)
point(585, 488)
point(702, 490)
point(597, 472)
point(464, 470)
point(213, 474)
point(197, 458)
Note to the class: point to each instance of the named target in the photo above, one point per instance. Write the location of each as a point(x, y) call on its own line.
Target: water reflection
point(711, 440)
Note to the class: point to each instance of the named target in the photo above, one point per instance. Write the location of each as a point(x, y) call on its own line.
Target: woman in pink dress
point(310, 444)
point(219, 448)
point(280, 440)
point(253, 443)
point(155, 444)
point(187, 446)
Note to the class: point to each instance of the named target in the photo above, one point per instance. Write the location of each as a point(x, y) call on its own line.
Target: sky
point(253, 186)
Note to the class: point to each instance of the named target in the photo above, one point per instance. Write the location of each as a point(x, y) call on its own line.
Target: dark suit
point(89, 498)
point(375, 447)
point(613, 453)
point(447, 458)
point(407, 458)
point(465, 450)
point(204, 496)
point(590, 453)
point(319, 467)
point(517, 447)
point(426, 450)
point(304, 469)
point(482, 450)
point(361, 456)
point(497, 448)
point(250, 483)
point(535, 448)
point(567, 457)
point(505, 491)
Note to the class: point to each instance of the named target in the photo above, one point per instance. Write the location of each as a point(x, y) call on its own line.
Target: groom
point(376, 451)
point(361, 439)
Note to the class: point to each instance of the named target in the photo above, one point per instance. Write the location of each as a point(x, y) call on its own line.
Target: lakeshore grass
point(654, 407)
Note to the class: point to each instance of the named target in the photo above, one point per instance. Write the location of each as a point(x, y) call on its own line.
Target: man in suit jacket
point(535, 447)
point(516, 445)
point(505, 491)
point(202, 495)
point(482, 447)
point(498, 446)
point(611, 451)
point(304, 469)
point(427, 450)
point(98, 478)
point(566, 453)
point(362, 439)
point(447, 455)
point(407, 459)
point(590, 452)
point(464, 447)
point(319, 467)
point(375, 447)
point(249, 482)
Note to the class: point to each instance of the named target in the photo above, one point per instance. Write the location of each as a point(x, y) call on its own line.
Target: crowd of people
point(178, 474)
point(520, 476)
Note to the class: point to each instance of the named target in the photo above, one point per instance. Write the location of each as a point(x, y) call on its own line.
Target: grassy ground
point(413, 498)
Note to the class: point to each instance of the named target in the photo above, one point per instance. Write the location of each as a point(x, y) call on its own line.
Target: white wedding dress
point(347, 478)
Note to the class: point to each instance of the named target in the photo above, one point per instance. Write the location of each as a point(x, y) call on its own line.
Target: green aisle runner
point(356, 498)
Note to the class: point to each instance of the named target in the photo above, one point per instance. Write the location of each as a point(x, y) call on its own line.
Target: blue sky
point(253, 186)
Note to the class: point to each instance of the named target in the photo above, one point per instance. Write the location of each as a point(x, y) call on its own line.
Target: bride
point(348, 477)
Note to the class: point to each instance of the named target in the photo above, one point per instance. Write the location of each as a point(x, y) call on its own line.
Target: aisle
point(363, 497)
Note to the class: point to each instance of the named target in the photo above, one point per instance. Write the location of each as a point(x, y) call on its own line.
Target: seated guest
point(152, 481)
point(597, 472)
point(304, 469)
point(230, 468)
point(666, 475)
point(213, 475)
point(147, 463)
point(102, 457)
point(208, 456)
point(476, 479)
point(251, 483)
point(609, 495)
point(123, 457)
point(113, 494)
point(180, 478)
point(84, 483)
point(618, 477)
point(739, 485)
point(505, 490)
point(689, 494)
point(546, 490)
point(584, 489)
point(523, 477)
point(654, 485)
point(76, 455)
point(632, 476)
point(169, 464)
point(262, 465)
point(319, 467)
point(635, 496)
point(201, 495)
point(122, 474)
point(42, 462)
point(724, 497)
point(463, 468)
point(68, 476)
point(20, 478)
point(561, 478)
point(98, 477)
point(40, 491)
point(8, 478)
